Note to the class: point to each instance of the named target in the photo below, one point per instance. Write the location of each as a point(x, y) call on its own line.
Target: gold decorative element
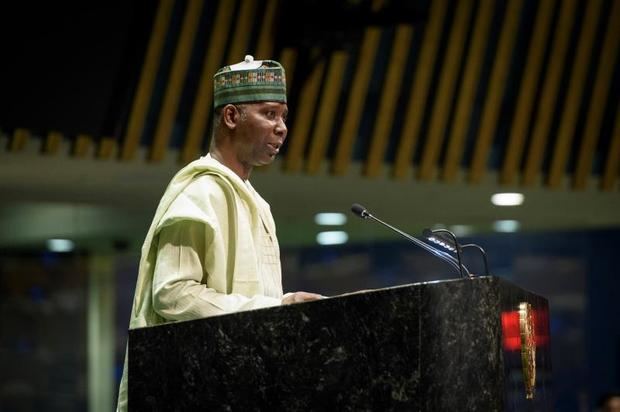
point(528, 348)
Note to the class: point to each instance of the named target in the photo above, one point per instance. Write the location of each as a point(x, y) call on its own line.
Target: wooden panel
point(304, 118)
point(495, 92)
point(389, 98)
point(527, 92)
point(52, 143)
point(467, 94)
point(327, 110)
point(144, 91)
point(602, 84)
point(204, 98)
point(377, 5)
point(82, 145)
point(174, 88)
point(445, 93)
point(357, 98)
point(576, 86)
point(419, 89)
point(288, 60)
point(612, 163)
point(243, 27)
point(19, 140)
point(549, 95)
point(264, 47)
point(107, 146)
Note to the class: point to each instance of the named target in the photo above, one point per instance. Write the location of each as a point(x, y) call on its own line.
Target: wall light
point(330, 219)
point(60, 245)
point(507, 199)
point(506, 226)
point(332, 238)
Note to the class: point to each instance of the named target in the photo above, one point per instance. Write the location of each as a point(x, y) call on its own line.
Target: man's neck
point(241, 170)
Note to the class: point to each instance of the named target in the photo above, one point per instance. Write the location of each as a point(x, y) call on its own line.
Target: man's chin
point(266, 161)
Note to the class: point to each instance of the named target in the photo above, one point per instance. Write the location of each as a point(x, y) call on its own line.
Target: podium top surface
point(454, 288)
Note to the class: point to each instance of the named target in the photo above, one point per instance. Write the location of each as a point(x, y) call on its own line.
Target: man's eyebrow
point(273, 104)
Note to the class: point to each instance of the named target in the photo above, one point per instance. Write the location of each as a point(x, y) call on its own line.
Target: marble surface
point(425, 347)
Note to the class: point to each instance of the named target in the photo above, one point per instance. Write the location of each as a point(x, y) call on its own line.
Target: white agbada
point(211, 249)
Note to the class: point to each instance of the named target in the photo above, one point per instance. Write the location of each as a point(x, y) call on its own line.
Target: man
point(212, 247)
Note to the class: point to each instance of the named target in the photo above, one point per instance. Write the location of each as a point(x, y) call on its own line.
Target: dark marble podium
point(456, 345)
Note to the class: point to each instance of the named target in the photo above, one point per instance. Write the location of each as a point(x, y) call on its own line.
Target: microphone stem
point(442, 255)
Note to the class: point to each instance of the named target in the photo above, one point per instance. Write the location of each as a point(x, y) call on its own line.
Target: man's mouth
point(275, 146)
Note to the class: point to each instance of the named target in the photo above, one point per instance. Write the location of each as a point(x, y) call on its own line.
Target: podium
point(468, 344)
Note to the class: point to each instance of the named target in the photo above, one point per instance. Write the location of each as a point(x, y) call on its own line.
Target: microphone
point(362, 212)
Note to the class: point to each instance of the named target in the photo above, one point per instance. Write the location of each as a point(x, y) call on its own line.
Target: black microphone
point(362, 212)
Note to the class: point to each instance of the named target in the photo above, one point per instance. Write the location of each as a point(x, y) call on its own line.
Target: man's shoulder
point(207, 185)
point(202, 199)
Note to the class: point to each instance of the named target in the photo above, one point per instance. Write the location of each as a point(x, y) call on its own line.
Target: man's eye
point(271, 114)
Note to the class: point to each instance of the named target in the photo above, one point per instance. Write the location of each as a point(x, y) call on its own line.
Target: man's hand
point(298, 297)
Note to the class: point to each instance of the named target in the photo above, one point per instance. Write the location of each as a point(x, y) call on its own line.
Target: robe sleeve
point(178, 289)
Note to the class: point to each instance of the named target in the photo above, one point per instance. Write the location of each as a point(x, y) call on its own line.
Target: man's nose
point(281, 129)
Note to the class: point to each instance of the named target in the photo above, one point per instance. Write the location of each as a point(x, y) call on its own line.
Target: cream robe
point(241, 257)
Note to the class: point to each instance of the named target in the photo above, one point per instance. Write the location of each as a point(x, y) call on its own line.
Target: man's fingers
point(305, 296)
point(299, 297)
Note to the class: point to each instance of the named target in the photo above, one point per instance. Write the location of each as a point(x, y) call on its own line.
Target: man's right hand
point(298, 297)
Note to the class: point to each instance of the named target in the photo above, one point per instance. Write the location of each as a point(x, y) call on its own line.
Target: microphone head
point(359, 210)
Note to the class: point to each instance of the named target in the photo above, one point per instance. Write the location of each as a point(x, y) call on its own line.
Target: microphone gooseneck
point(437, 236)
point(362, 212)
point(484, 256)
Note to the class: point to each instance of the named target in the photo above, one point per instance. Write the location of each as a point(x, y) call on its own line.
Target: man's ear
point(230, 116)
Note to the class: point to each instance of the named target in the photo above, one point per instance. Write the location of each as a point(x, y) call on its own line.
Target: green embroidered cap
point(249, 81)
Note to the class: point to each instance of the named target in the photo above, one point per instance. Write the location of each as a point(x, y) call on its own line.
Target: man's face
point(261, 132)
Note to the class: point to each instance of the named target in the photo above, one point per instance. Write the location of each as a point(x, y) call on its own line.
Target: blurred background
point(419, 110)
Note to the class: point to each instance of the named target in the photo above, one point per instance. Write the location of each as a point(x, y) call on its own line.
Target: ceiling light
point(506, 226)
point(332, 238)
point(60, 245)
point(330, 219)
point(507, 199)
